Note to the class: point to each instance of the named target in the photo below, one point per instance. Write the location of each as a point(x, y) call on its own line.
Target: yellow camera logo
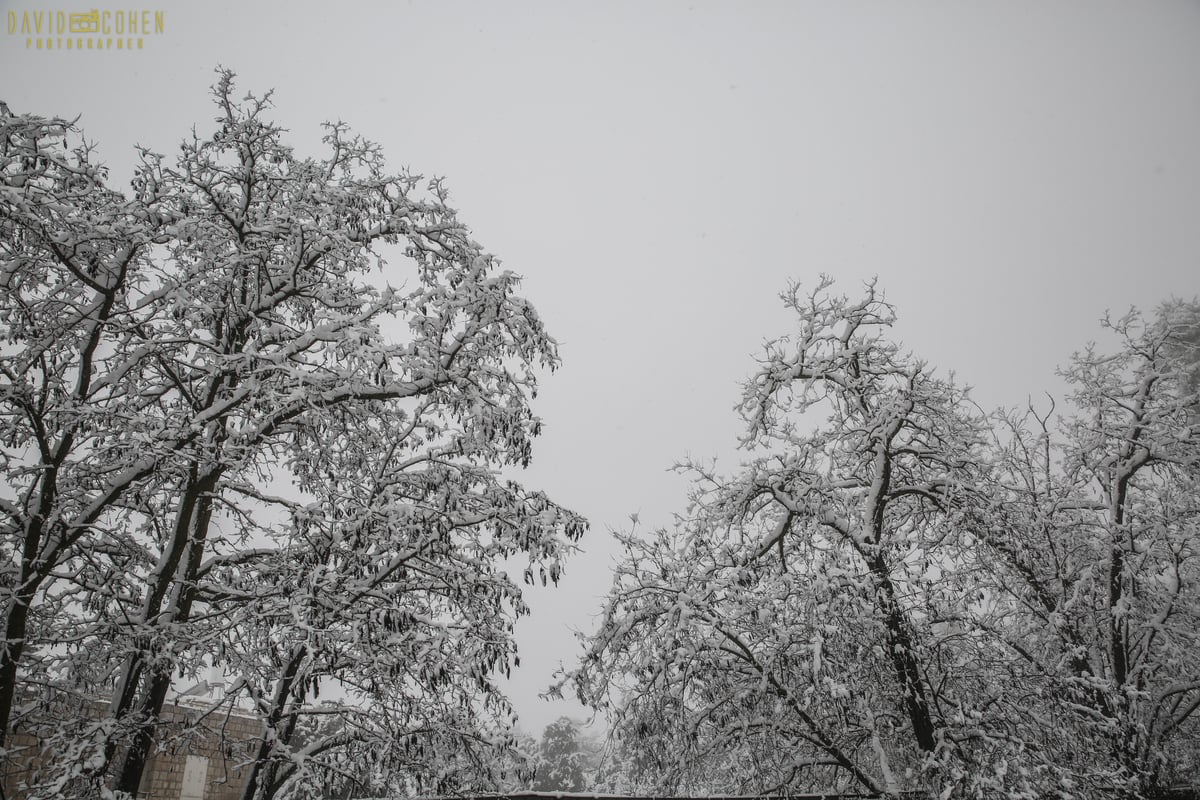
point(86, 23)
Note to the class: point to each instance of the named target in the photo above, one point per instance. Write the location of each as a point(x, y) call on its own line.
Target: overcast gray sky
point(658, 171)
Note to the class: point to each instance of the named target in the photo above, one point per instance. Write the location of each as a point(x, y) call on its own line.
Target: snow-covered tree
point(394, 576)
point(561, 764)
point(275, 460)
point(898, 591)
point(71, 254)
point(1090, 542)
point(1183, 346)
point(778, 637)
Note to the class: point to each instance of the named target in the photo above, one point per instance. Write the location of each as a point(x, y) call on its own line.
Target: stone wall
point(197, 755)
point(212, 761)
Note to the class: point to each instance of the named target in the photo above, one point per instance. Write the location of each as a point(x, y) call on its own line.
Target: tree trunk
point(904, 661)
point(10, 656)
point(199, 509)
point(16, 626)
point(262, 775)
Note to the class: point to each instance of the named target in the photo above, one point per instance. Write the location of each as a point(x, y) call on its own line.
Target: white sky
point(658, 171)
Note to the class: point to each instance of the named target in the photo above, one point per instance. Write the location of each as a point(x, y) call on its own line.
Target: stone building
point(198, 755)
